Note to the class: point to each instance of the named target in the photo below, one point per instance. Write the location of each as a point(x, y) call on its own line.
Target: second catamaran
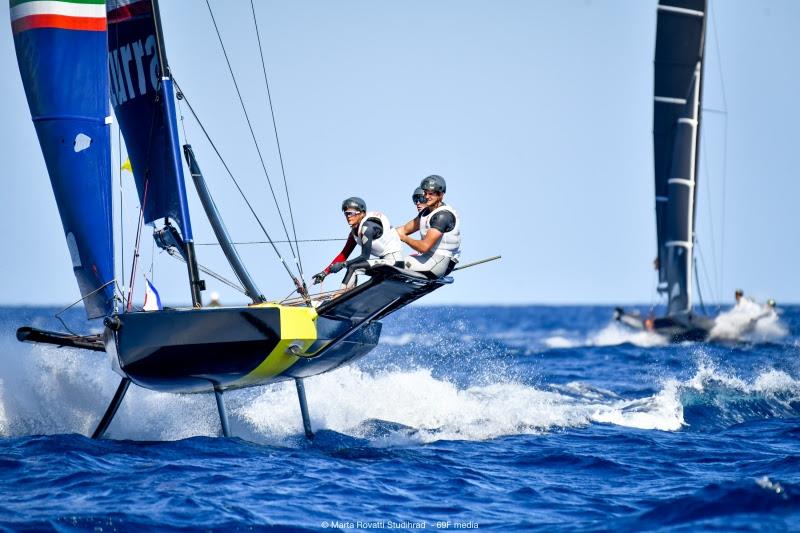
point(678, 81)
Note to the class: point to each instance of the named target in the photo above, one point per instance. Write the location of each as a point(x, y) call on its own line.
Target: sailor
point(439, 225)
point(418, 197)
point(370, 229)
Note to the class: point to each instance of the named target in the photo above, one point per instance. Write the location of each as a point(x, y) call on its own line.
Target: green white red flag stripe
point(87, 15)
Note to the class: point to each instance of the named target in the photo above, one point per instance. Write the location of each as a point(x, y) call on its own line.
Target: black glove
point(336, 267)
point(319, 277)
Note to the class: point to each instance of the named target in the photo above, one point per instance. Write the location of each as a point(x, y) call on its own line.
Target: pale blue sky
point(538, 114)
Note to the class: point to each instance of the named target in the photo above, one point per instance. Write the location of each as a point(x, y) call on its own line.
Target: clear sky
point(538, 114)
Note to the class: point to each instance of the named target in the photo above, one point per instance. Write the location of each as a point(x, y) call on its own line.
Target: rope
point(705, 271)
point(699, 294)
point(79, 300)
point(724, 148)
point(277, 141)
point(136, 248)
point(121, 214)
point(236, 183)
point(265, 242)
point(250, 126)
point(714, 263)
point(219, 277)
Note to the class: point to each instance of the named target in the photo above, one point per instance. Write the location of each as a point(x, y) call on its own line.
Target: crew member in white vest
point(380, 243)
point(440, 228)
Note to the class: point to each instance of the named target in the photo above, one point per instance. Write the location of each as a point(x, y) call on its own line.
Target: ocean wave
point(760, 495)
point(48, 390)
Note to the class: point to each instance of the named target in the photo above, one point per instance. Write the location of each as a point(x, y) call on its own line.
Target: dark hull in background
point(691, 327)
point(196, 350)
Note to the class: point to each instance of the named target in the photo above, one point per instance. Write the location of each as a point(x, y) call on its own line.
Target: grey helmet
point(354, 202)
point(434, 183)
point(415, 197)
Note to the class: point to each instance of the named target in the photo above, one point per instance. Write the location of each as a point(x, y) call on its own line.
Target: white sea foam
point(616, 333)
point(437, 409)
point(398, 340)
point(749, 321)
point(662, 411)
point(50, 390)
point(558, 341)
point(611, 335)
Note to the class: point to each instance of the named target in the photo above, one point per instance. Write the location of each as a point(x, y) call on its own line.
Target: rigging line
point(219, 277)
point(136, 249)
point(179, 97)
point(699, 293)
point(121, 213)
point(705, 271)
point(236, 183)
point(250, 126)
point(265, 242)
point(277, 141)
point(718, 50)
point(79, 300)
point(714, 264)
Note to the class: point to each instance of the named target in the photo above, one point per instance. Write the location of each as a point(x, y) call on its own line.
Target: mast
point(676, 120)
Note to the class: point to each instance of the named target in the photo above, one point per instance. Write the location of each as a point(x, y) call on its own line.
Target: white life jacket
point(389, 241)
point(450, 243)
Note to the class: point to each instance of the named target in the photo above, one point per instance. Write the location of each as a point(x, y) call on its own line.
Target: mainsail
point(61, 51)
point(680, 37)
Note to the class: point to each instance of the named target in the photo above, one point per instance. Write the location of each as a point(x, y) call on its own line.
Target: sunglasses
point(351, 213)
point(418, 198)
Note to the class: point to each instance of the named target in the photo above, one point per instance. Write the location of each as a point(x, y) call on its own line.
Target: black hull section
point(198, 350)
point(690, 328)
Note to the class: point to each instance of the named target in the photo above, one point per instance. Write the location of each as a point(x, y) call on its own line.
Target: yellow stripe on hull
point(298, 333)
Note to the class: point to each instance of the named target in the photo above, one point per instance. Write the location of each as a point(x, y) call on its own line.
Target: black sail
point(680, 36)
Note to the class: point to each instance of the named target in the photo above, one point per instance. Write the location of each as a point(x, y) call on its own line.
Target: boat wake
point(51, 390)
point(749, 321)
point(612, 334)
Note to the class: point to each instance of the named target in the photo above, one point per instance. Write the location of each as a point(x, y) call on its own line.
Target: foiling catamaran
point(75, 57)
point(680, 41)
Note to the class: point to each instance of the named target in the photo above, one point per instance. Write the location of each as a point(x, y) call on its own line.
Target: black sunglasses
point(418, 198)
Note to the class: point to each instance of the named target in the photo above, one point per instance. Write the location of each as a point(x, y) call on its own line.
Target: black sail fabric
point(680, 37)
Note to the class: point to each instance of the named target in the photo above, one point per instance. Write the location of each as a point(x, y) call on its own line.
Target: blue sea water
point(506, 418)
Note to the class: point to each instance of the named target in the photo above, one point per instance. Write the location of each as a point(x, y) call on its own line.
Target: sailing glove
point(319, 277)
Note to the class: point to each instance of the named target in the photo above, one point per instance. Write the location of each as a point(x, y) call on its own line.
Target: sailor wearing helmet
point(440, 228)
point(370, 229)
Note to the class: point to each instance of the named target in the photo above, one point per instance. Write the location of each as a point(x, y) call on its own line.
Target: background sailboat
point(677, 103)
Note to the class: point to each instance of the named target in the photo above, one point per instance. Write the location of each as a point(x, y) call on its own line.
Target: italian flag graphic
point(86, 15)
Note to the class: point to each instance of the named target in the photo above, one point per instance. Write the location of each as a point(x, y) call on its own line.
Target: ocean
point(464, 418)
